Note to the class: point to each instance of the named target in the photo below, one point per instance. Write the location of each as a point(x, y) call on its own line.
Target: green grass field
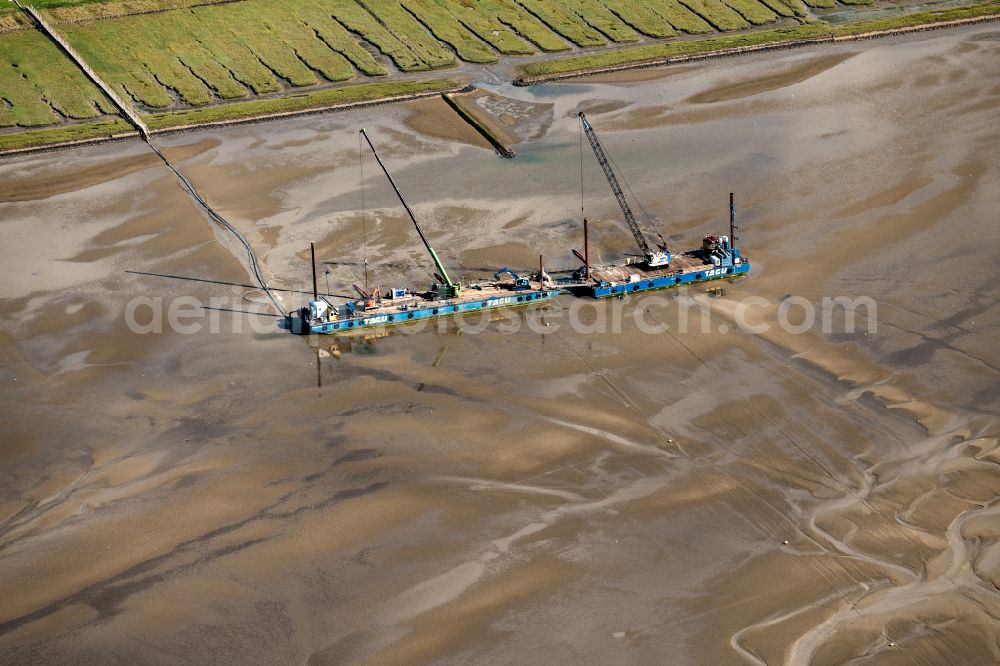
point(787, 8)
point(186, 61)
point(505, 25)
point(434, 17)
point(39, 86)
point(567, 24)
point(754, 12)
point(218, 52)
point(720, 15)
point(680, 17)
point(600, 17)
point(645, 19)
point(816, 29)
point(11, 20)
point(821, 4)
point(174, 54)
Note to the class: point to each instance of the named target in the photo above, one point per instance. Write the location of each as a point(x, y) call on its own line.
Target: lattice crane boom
point(653, 257)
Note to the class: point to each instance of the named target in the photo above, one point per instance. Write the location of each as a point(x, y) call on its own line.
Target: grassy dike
point(316, 100)
point(726, 45)
point(65, 135)
point(233, 112)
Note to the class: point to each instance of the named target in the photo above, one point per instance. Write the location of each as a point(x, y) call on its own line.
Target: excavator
point(654, 258)
point(520, 283)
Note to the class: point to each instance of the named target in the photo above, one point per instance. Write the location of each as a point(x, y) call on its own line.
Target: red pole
point(586, 250)
point(312, 255)
point(732, 222)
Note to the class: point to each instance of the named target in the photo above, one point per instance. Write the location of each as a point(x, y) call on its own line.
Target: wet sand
point(547, 494)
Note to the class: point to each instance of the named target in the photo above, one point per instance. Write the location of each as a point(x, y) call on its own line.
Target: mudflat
point(590, 490)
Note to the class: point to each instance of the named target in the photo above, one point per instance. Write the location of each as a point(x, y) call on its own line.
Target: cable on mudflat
point(255, 269)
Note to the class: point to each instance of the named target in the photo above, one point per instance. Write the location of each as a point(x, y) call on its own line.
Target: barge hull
point(652, 283)
point(433, 311)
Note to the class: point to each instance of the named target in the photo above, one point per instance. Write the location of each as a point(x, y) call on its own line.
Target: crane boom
point(653, 257)
point(452, 288)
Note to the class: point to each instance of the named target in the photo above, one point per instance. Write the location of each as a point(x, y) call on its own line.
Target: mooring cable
point(255, 269)
point(132, 116)
point(618, 390)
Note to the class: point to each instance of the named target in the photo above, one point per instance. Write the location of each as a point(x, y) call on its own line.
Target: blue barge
point(716, 260)
point(404, 307)
point(718, 257)
point(607, 289)
point(445, 298)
